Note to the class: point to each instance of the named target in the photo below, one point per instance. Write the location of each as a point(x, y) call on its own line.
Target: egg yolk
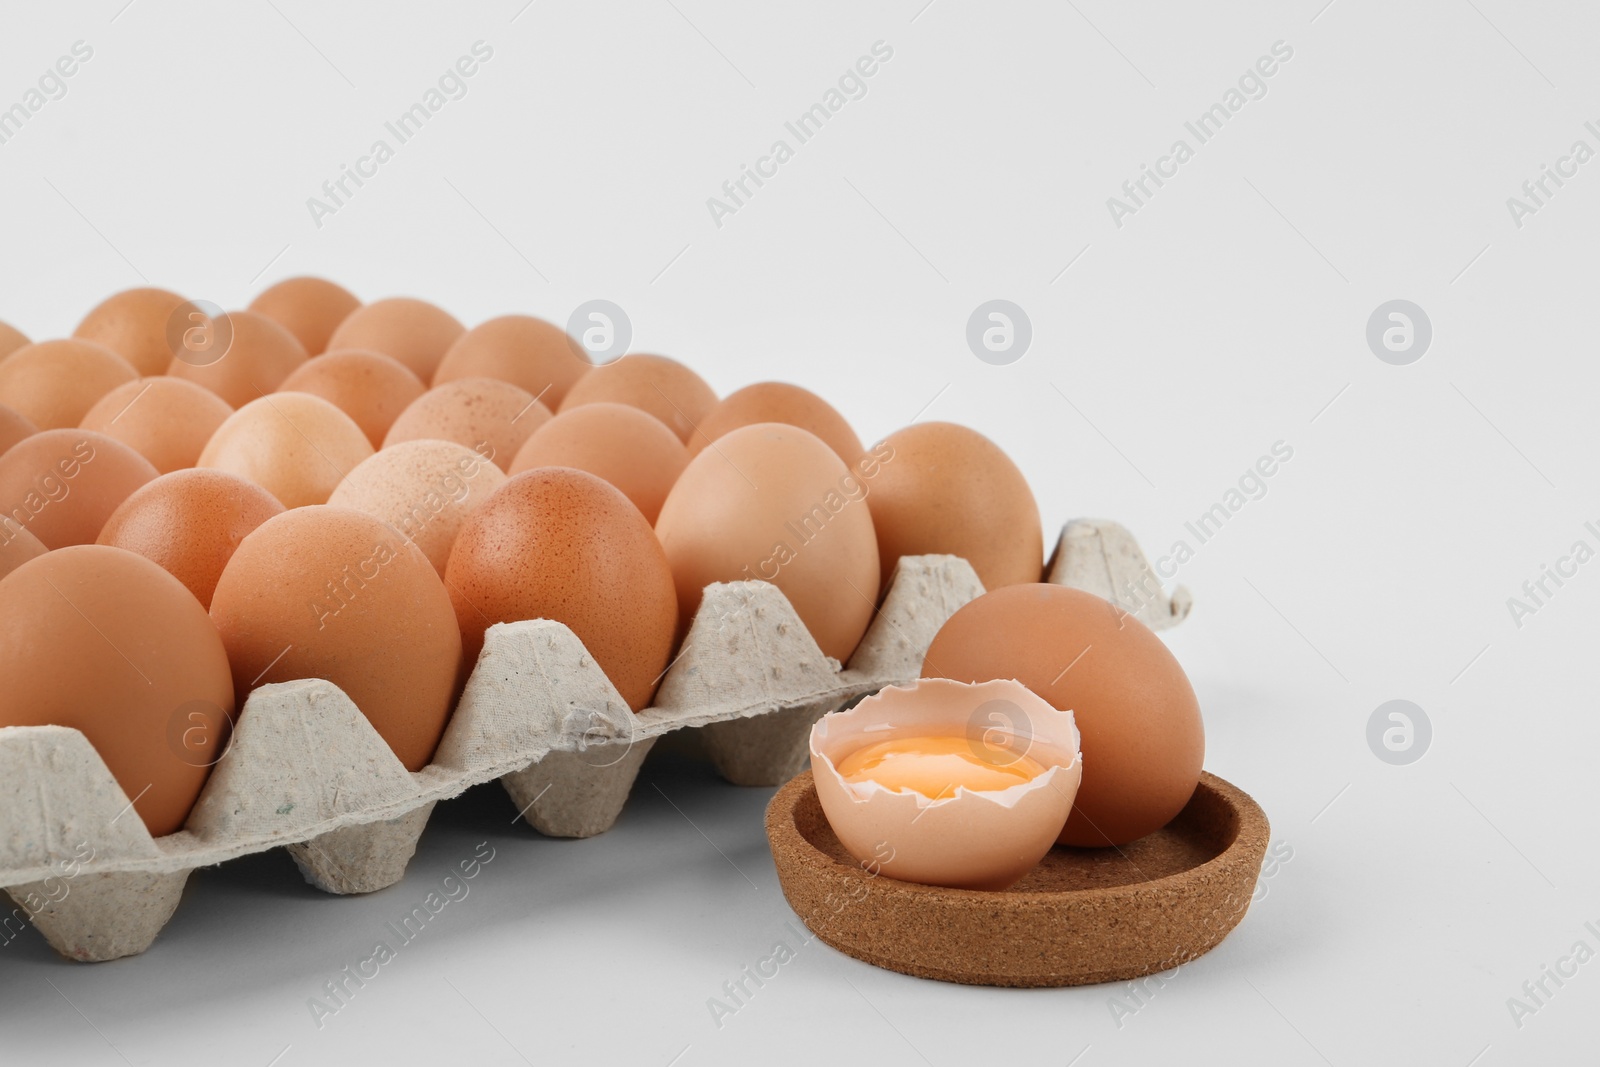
point(937, 766)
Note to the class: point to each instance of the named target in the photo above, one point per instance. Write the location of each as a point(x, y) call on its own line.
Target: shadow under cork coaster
point(1084, 915)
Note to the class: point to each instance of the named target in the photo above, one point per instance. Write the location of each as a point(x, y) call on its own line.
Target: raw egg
point(55, 383)
point(778, 402)
point(11, 339)
point(294, 445)
point(413, 331)
point(17, 546)
point(489, 416)
point(527, 352)
point(629, 448)
point(948, 784)
point(425, 489)
point(309, 308)
point(189, 523)
point(166, 420)
point(370, 387)
point(556, 543)
point(774, 503)
point(108, 643)
point(14, 426)
point(259, 355)
point(949, 490)
point(134, 324)
point(325, 592)
point(1143, 741)
point(664, 387)
point(62, 485)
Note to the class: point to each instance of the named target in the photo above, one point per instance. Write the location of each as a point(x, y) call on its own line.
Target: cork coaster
point(1082, 916)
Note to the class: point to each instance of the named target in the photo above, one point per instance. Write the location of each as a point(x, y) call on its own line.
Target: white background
point(1168, 355)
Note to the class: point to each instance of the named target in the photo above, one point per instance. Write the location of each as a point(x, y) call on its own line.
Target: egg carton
point(304, 768)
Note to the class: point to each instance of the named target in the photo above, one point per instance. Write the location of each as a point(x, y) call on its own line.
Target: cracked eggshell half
point(972, 839)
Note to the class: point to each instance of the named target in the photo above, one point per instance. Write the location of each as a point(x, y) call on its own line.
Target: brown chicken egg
point(370, 387)
point(629, 448)
point(425, 489)
point(189, 523)
point(531, 353)
point(17, 546)
point(14, 426)
point(413, 331)
point(945, 489)
point(294, 445)
point(260, 355)
point(134, 324)
point(108, 643)
point(778, 402)
point(11, 339)
point(664, 387)
point(62, 485)
point(774, 503)
point(309, 308)
point(325, 592)
point(1143, 741)
point(556, 543)
point(166, 420)
point(55, 383)
point(491, 417)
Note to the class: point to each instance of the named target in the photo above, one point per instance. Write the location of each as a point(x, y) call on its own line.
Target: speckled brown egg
point(134, 324)
point(413, 331)
point(1142, 739)
point(629, 448)
point(259, 357)
point(326, 592)
point(370, 387)
point(531, 353)
point(556, 543)
point(55, 383)
point(62, 485)
point(17, 546)
point(189, 523)
point(294, 445)
point(106, 642)
point(491, 417)
point(778, 402)
point(773, 503)
point(664, 387)
point(425, 489)
point(944, 489)
point(14, 426)
point(11, 339)
point(309, 308)
point(166, 420)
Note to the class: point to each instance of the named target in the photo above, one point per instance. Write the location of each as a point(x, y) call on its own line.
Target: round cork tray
point(1083, 915)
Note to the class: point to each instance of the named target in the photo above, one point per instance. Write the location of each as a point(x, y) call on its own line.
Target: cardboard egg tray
point(304, 768)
